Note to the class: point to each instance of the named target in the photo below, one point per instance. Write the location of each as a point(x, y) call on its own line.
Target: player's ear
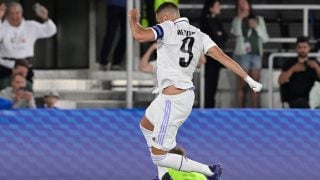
point(157, 18)
point(165, 18)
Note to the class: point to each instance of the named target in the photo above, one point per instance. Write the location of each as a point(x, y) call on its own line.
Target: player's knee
point(146, 124)
point(159, 156)
point(145, 131)
point(159, 160)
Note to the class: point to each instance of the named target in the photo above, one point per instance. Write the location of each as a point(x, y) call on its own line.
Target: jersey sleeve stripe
point(158, 31)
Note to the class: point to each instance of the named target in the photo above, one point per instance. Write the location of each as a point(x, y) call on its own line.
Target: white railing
point(303, 7)
point(270, 70)
point(131, 56)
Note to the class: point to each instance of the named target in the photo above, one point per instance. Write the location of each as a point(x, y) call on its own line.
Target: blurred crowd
point(298, 81)
point(299, 76)
point(17, 39)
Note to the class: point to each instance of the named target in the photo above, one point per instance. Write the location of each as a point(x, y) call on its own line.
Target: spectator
point(147, 65)
point(250, 32)
point(212, 25)
point(314, 96)
point(51, 98)
point(20, 97)
point(20, 67)
point(18, 36)
point(116, 16)
point(298, 75)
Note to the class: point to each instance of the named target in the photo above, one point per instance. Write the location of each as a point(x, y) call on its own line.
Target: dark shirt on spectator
point(213, 27)
point(300, 83)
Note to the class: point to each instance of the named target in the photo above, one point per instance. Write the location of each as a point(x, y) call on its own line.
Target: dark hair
point(166, 6)
point(250, 6)
point(206, 12)
point(206, 8)
point(14, 3)
point(302, 39)
point(22, 63)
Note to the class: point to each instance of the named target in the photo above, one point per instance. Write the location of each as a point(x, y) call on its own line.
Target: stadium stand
point(107, 89)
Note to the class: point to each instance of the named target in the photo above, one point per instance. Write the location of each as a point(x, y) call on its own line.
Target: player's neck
point(174, 17)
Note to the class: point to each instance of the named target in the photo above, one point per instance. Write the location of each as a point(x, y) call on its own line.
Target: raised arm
point(285, 76)
point(286, 73)
point(2, 9)
point(262, 30)
point(139, 33)
point(2, 13)
point(48, 28)
point(236, 25)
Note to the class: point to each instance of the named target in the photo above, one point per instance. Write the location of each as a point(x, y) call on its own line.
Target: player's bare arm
point(216, 53)
point(314, 65)
point(139, 33)
point(285, 76)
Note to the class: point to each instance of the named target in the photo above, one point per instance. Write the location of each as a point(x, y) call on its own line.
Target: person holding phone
point(250, 32)
point(17, 93)
point(298, 75)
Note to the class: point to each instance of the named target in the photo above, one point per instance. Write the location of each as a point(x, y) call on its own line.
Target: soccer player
point(179, 46)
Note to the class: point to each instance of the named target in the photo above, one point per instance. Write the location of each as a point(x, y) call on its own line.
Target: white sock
point(181, 163)
point(161, 171)
point(148, 136)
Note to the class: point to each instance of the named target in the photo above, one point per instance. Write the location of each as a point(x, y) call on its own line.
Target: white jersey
point(179, 48)
point(18, 42)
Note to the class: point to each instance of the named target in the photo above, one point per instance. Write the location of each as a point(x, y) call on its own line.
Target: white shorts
point(167, 113)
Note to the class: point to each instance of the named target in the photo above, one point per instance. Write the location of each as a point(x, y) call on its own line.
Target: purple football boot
point(217, 170)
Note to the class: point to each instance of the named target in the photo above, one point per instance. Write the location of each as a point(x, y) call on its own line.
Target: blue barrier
point(107, 144)
point(5, 104)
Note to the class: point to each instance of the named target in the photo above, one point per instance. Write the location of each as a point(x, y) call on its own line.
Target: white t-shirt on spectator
point(18, 42)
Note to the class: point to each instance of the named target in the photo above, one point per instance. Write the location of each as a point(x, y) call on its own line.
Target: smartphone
point(37, 8)
point(22, 89)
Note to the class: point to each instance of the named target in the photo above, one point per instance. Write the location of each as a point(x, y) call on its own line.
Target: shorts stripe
point(165, 122)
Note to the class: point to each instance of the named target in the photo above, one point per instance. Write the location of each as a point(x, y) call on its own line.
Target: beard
point(302, 54)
